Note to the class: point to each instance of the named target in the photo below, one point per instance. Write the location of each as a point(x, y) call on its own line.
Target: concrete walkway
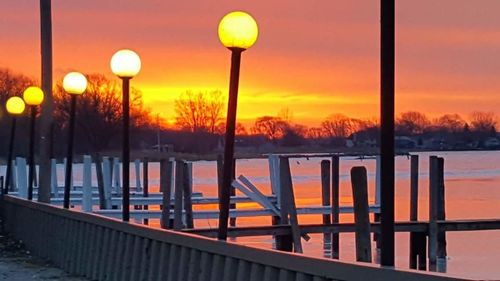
point(16, 264)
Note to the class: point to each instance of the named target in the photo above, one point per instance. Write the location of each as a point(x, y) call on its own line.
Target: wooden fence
point(102, 248)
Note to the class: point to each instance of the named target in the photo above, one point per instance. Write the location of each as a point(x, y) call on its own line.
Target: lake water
point(472, 181)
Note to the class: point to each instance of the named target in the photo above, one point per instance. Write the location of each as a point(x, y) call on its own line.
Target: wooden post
point(441, 210)
point(166, 168)
point(433, 210)
point(220, 167)
point(232, 221)
point(421, 244)
point(106, 178)
point(179, 182)
point(289, 201)
point(188, 191)
point(335, 204)
point(281, 242)
point(413, 209)
point(378, 183)
point(22, 184)
point(137, 166)
point(100, 180)
point(145, 183)
point(117, 178)
point(87, 184)
point(325, 199)
point(361, 214)
point(53, 179)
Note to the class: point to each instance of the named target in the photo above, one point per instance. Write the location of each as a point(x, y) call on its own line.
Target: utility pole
point(47, 106)
point(158, 131)
point(387, 82)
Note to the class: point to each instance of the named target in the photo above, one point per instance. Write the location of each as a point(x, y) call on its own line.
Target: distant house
point(163, 148)
point(492, 143)
point(404, 142)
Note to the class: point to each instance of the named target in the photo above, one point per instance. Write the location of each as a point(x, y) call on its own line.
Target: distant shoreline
point(154, 156)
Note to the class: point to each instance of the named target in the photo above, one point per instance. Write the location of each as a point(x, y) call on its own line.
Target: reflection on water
point(472, 191)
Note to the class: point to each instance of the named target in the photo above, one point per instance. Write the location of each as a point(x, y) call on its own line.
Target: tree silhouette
point(99, 111)
point(200, 112)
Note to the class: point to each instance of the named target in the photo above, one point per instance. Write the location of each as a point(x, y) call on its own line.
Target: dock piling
point(335, 204)
point(413, 209)
point(361, 214)
point(325, 200)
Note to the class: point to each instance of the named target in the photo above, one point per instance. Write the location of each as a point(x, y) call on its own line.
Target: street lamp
point(74, 83)
point(15, 107)
point(238, 31)
point(126, 64)
point(33, 96)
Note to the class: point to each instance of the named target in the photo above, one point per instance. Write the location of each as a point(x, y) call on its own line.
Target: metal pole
point(46, 117)
point(224, 198)
point(9, 157)
point(31, 159)
point(387, 69)
point(69, 155)
point(126, 151)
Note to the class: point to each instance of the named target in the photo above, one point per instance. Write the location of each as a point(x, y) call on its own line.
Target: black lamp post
point(387, 68)
point(74, 84)
point(33, 96)
point(238, 31)
point(126, 64)
point(15, 107)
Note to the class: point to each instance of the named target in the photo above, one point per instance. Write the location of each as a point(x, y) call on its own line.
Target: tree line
point(201, 115)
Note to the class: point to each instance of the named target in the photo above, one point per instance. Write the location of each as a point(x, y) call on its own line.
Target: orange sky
point(314, 57)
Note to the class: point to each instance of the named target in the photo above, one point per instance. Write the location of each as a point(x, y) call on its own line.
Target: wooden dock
point(173, 206)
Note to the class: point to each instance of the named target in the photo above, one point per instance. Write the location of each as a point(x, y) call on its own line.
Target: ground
point(17, 264)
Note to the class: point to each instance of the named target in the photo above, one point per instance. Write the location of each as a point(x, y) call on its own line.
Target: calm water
point(472, 191)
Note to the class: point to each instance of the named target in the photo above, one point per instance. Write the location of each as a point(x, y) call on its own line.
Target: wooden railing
point(102, 248)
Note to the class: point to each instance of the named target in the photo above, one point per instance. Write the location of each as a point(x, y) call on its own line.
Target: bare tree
point(483, 121)
point(99, 110)
point(271, 127)
point(337, 126)
point(12, 84)
point(412, 123)
point(200, 112)
point(452, 123)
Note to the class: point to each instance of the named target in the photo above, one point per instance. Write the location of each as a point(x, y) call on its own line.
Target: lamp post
point(74, 83)
point(126, 64)
point(33, 97)
point(387, 70)
point(15, 107)
point(238, 31)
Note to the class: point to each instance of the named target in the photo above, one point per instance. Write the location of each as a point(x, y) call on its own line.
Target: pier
point(173, 205)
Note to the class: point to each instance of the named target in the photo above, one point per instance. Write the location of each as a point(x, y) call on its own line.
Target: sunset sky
point(315, 57)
